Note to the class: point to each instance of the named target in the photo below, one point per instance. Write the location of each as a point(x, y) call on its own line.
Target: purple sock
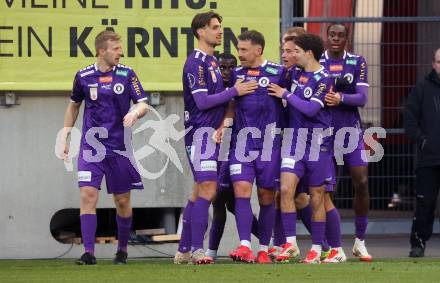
point(333, 228)
point(88, 231)
point(325, 247)
point(243, 218)
point(215, 234)
point(361, 223)
point(278, 231)
point(318, 232)
point(199, 222)
point(255, 226)
point(124, 226)
point(289, 223)
point(266, 220)
point(185, 237)
point(305, 215)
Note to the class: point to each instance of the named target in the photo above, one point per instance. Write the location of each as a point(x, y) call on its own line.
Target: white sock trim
point(246, 243)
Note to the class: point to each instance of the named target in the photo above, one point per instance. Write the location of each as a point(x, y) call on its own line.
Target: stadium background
point(42, 46)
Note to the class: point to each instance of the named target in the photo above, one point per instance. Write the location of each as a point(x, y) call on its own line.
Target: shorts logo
point(93, 93)
point(264, 81)
point(107, 79)
point(118, 88)
point(208, 165)
point(349, 77)
point(235, 169)
point(84, 176)
point(288, 163)
point(308, 92)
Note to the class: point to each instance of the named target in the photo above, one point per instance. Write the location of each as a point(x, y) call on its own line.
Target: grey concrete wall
point(34, 184)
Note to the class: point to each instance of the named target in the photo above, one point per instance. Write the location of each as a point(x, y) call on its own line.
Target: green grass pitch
point(163, 270)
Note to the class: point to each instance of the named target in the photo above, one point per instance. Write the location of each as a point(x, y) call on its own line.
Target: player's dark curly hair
point(311, 42)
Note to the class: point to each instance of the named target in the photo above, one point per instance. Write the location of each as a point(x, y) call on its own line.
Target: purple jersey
point(310, 86)
point(258, 109)
point(107, 100)
point(201, 75)
point(353, 69)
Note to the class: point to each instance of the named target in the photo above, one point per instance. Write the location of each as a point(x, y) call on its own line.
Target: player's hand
point(130, 119)
point(276, 90)
point(62, 151)
point(333, 98)
point(217, 137)
point(244, 88)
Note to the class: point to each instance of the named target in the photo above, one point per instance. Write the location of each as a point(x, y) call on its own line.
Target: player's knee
point(361, 184)
point(301, 200)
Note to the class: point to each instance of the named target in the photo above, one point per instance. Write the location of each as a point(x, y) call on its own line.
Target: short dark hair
point(338, 24)
point(311, 42)
point(202, 19)
point(226, 56)
point(255, 37)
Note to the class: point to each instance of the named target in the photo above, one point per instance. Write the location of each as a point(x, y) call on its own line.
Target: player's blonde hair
point(103, 37)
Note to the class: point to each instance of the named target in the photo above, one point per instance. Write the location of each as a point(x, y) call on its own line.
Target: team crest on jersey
point(264, 81)
point(118, 88)
point(349, 77)
point(93, 93)
point(308, 92)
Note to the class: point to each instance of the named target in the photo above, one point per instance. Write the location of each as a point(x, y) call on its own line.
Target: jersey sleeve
point(77, 94)
point(197, 76)
point(136, 91)
point(361, 74)
point(322, 88)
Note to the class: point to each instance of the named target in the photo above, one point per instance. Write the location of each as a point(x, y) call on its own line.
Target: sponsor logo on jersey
point(201, 73)
point(303, 79)
point(93, 93)
point(254, 73)
point(135, 84)
point(106, 86)
point(321, 88)
point(272, 70)
point(118, 88)
point(351, 62)
point(123, 73)
point(317, 77)
point(107, 79)
point(336, 68)
point(362, 73)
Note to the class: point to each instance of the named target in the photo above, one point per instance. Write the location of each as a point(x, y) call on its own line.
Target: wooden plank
point(103, 240)
point(149, 232)
point(165, 238)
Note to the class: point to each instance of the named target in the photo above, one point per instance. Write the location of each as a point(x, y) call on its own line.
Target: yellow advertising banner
point(43, 43)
